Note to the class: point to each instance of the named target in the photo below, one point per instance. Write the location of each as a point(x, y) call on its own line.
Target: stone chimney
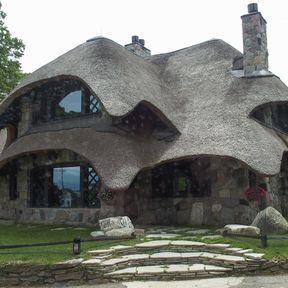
point(138, 47)
point(255, 58)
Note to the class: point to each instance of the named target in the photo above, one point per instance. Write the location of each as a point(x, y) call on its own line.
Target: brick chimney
point(255, 58)
point(138, 47)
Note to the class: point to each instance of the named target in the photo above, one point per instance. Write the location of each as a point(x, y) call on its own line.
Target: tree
point(11, 49)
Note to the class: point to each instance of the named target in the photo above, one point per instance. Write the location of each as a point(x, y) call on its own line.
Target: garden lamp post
point(77, 245)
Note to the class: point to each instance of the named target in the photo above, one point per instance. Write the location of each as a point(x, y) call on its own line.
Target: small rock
point(241, 230)
point(97, 234)
point(270, 221)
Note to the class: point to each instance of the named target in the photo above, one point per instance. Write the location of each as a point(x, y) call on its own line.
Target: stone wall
point(73, 273)
point(226, 204)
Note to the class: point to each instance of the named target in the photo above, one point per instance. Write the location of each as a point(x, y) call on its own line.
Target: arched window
point(65, 186)
point(273, 115)
point(59, 99)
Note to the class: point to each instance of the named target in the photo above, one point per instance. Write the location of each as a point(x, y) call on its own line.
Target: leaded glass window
point(65, 186)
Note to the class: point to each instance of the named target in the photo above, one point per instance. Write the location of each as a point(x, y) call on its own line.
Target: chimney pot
point(135, 39)
point(252, 8)
point(142, 42)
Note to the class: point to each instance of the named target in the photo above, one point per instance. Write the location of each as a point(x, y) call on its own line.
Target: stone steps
point(165, 259)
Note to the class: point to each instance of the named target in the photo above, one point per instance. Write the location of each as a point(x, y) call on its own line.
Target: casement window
point(64, 186)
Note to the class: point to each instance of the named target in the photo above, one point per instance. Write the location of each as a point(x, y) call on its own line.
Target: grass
point(27, 234)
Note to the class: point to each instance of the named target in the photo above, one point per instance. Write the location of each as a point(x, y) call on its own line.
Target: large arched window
point(64, 186)
point(60, 99)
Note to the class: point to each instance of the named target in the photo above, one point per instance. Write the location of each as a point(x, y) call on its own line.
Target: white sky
point(50, 28)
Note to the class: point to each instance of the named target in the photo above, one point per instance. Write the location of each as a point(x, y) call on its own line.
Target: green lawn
point(27, 234)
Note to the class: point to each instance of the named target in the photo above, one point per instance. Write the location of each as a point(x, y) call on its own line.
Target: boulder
point(244, 230)
point(117, 226)
point(270, 221)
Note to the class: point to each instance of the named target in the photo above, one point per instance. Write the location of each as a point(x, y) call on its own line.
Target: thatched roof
point(195, 89)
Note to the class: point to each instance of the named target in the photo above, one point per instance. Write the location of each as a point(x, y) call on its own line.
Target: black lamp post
point(77, 245)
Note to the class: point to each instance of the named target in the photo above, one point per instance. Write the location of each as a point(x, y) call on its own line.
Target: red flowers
point(255, 193)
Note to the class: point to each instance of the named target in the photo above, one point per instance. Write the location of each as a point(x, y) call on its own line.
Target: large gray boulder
point(117, 226)
point(244, 230)
point(270, 221)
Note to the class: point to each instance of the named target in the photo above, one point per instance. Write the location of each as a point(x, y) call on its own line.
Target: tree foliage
point(11, 49)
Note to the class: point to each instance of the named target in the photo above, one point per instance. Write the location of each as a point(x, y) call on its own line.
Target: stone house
point(175, 138)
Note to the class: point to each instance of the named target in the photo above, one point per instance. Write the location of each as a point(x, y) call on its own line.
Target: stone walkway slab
point(232, 249)
point(163, 236)
point(187, 243)
point(136, 257)
point(217, 246)
point(180, 268)
point(153, 244)
point(165, 255)
point(230, 258)
point(155, 269)
point(113, 261)
point(92, 261)
point(210, 255)
point(191, 254)
point(197, 268)
point(242, 252)
point(256, 256)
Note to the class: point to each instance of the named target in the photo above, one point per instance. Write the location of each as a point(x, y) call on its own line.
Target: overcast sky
point(50, 28)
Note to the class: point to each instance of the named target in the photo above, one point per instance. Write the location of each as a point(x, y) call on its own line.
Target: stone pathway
point(171, 260)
